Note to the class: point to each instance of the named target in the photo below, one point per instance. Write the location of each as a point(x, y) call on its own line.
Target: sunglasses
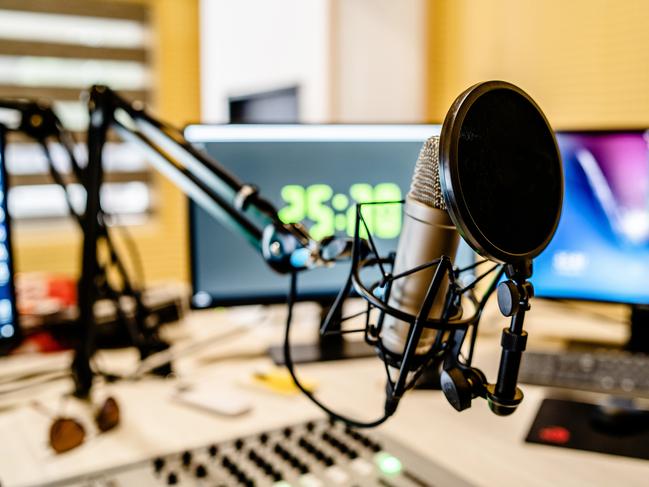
point(67, 433)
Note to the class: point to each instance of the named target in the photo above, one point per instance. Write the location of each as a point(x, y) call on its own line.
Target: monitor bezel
point(198, 134)
point(587, 299)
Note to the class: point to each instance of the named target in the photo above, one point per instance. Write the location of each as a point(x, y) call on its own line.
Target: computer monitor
point(313, 174)
point(600, 251)
point(9, 329)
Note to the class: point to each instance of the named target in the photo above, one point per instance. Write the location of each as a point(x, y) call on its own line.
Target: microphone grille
point(426, 187)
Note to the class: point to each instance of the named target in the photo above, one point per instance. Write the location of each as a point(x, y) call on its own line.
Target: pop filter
point(501, 172)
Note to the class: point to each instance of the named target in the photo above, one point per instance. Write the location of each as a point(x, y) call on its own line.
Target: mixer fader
point(313, 454)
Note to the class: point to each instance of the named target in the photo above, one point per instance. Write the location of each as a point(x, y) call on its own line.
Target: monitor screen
point(601, 248)
point(8, 315)
point(313, 174)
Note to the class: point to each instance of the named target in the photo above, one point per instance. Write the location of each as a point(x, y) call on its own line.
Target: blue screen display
point(8, 326)
point(601, 248)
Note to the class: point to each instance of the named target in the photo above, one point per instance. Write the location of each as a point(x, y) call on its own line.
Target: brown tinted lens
point(108, 415)
point(66, 434)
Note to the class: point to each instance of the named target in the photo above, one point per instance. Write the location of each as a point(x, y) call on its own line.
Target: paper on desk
point(215, 398)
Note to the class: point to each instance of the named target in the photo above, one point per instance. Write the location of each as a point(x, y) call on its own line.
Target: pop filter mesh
point(510, 172)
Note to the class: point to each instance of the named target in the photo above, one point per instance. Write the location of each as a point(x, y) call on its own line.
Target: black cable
point(290, 366)
point(65, 139)
point(59, 180)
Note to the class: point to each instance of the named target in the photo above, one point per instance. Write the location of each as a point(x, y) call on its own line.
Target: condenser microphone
point(427, 233)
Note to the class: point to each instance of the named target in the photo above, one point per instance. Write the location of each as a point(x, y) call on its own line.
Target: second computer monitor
point(601, 248)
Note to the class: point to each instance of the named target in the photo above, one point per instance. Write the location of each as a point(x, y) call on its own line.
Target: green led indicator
point(388, 464)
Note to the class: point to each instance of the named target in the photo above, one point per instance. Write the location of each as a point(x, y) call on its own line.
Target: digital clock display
point(315, 182)
point(326, 213)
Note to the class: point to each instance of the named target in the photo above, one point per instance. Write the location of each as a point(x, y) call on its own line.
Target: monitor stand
point(639, 336)
point(327, 348)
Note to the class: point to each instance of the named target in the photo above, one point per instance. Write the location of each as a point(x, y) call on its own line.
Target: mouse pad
point(577, 425)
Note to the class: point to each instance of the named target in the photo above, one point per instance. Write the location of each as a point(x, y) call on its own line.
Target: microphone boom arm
point(285, 247)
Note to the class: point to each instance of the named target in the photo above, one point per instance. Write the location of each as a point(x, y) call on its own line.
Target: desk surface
point(483, 448)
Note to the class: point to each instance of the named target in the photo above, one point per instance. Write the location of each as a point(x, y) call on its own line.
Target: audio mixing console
point(313, 454)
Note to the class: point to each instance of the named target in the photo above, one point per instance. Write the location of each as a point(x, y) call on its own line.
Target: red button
point(555, 434)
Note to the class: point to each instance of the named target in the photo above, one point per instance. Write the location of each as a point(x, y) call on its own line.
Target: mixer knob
point(238, 444)
point(213, 450)
point(186, 458)
point(158, 464)
point(310, 426)
point(200, 472)
point(263, 438)
point(172, 478)
point(287, 432)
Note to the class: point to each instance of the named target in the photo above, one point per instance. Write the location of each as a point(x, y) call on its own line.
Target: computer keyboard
point(611, 372)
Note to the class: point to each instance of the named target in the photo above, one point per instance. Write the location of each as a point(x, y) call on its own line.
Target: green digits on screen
point(387, 218)
point(360, 193)
point(318, 212)
point(295, 211)
point(329, 212)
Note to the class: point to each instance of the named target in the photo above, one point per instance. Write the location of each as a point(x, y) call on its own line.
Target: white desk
point(483, 448)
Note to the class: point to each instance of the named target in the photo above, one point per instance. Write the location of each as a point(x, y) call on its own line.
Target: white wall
point(380, 58)
point(355, 60)
point(250, 46)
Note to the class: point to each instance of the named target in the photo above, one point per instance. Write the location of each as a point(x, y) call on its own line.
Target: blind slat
point(62, 94)
point(109, 177)
point(47, 49)
point(87, 8)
